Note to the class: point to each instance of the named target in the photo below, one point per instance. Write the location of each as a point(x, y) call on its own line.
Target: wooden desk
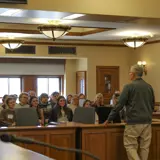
point(107, 142)
point(62, 135)
point(9, 151)
point(156, 115)
point(104, 142)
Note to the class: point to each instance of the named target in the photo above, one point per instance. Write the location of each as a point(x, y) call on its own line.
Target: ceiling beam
point(135, 8)
point(74, 43)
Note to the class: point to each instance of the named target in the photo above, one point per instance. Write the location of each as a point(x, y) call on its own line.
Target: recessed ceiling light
point(10, 12)
point(74, 16)
point(135, 33)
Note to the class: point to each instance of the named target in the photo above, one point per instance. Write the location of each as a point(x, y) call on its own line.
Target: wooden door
point(81, 82)
point(107, 81)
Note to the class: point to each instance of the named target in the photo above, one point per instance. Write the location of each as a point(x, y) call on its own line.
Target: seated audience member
point(4, 106)
point(34, 103)
point(115, 97)
point(82, 98)
point(8, 115)
point(87, 103)
point(45, 106)
point(53, 98)
point(98, 101)
point(23, 100)
point(60, 112)
point(69, 98)
point(14, 96)
point(31, 94)
point(74, 103)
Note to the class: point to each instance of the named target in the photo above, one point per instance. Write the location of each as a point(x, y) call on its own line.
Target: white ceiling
point(123, 29)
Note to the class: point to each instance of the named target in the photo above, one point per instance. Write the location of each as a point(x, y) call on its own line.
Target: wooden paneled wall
point(62, 137)
point(29, 83)
point(107, 143)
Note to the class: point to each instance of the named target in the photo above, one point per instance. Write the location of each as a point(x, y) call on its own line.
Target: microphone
point(13, 139)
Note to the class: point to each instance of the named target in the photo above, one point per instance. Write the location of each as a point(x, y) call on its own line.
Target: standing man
point(138, 97)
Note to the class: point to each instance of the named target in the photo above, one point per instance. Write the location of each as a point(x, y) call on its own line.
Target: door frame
point(85, 84)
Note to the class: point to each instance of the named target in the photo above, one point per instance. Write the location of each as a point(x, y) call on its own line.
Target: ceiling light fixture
point(11, 43)
point(134, 42)
point(54, 31)
point(74, 16)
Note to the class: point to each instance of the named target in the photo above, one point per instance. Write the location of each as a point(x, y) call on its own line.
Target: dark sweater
point(8, 116)
point(138, 98)
point(46, 109)
point(56, 113)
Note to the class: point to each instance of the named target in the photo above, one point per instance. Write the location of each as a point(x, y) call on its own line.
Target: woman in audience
point(34, 103)
point(82, 98)
point(23, 100)
point(69, 98)
point(45, 106)
point(60, 112)
point(8, 115)
point(14, 96)
point(99, 101)
point(74, 103)
point(86, 104)
point(4, 106)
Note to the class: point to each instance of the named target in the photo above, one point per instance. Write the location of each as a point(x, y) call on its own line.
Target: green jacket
point(138, 98)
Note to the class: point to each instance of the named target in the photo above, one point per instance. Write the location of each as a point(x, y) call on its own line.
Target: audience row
point(55, 108)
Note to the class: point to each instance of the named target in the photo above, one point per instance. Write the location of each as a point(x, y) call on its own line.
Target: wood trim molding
point(31, 60)
point(153, 42)
point(85, 83)
point(74, 44)
point(94, 31)
point(157, 103)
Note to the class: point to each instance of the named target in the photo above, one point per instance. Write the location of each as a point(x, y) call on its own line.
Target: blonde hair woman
point(99, 100)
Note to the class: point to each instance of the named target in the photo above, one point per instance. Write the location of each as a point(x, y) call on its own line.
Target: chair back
point(84, 115)
point(103, 113)
point(26, 117)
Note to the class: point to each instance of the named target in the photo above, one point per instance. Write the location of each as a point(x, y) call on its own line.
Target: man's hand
point(106, 123)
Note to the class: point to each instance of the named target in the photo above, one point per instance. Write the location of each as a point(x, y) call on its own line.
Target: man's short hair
point(23, 93)
point(43, 95)
point(138, 70)
point(55, 93)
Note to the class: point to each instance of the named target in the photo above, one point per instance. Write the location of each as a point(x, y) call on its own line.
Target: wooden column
point(29, 82)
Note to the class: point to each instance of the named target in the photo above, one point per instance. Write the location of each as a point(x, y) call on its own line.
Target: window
point(48, 85)
point(9, 86)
